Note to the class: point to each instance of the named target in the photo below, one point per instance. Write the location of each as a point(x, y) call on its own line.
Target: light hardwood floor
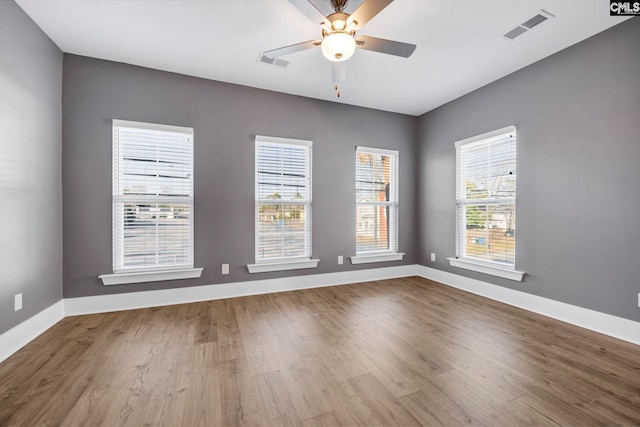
point(394, 352)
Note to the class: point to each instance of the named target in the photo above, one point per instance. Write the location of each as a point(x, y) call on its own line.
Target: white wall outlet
point(17, 302)
point(225, 268)
point(340, 259)
point(433, 257)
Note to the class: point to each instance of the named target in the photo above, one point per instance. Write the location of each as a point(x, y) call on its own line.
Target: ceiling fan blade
point(281, 51)
point(389, 47)
point(366, 11)
point(309, 10)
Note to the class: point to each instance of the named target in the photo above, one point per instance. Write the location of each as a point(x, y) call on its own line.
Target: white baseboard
point(133, 300)
point(19, 336)
point(616, 327)
point(14, 339)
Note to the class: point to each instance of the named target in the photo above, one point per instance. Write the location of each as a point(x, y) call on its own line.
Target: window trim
point(152, 273)
point(488, 267)
point(486, 135)
point(287, 263)
point(150, 276)
point(152, 126)
point(494, 268)
point(300, 264)
point(387, 254)
point(371, 257)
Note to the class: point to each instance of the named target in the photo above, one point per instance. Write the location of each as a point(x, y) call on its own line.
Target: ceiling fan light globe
point(338, 47)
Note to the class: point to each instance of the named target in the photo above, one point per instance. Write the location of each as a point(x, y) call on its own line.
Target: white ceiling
point(460, 43)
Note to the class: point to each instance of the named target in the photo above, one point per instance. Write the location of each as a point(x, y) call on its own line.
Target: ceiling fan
point(339, 41)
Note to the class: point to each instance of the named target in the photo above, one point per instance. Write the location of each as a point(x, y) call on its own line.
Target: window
point(283, 204)
point(376, 205)
point(486, 199)
point(152, 198)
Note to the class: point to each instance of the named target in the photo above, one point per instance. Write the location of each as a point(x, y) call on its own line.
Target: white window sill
point(382, 257)
point(150, 276)
point(283, 266)
point(486, 268)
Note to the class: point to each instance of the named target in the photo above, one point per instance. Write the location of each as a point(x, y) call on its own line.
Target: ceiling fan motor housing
point(338, 21)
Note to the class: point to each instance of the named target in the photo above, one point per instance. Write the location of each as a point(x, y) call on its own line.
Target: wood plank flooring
point(394, 352)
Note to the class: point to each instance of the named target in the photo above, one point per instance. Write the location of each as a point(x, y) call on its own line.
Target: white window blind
point(283, 199)
point(376, 200)
point(486, 197)
point(152, 196)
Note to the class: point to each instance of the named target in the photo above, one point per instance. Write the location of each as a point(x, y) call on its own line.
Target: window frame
point(121, 273)
point(462, 259)
point(390, 253)
point(262, 265)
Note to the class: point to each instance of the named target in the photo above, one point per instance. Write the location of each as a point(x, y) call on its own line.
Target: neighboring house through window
point(376, 205)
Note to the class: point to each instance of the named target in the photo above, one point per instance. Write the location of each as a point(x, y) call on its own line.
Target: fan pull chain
point(337, 90)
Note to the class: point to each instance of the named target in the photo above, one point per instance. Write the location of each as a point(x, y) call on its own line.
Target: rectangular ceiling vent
point(538, 19)
point(534, 21)
point(515, 32)
point(273, 61)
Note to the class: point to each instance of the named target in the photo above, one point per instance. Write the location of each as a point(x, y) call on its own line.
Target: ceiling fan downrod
point(339, 5)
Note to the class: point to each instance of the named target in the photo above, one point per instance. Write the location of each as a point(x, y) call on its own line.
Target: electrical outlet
point(340, 259)
point(433, 257)
point(225, 268)
point(17, 302)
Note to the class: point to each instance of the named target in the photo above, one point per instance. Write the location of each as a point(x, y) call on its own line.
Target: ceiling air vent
point(534, 21)
point(539, 18)
point(273, 61)
point(515, 32)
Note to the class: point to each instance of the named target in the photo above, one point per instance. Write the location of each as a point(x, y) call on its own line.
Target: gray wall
point(225, 119)
point(30, 158)
point(578, 120)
